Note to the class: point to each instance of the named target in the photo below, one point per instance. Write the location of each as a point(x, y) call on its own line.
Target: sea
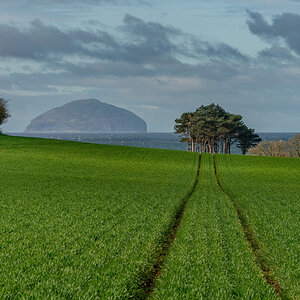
point(159, 140)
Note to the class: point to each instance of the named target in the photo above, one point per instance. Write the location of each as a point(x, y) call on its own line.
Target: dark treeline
point(211, 129)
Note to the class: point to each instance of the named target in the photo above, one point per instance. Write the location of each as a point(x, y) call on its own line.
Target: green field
point(210, 258)
point(95, 221)
point(84, 220)
point(267, 190)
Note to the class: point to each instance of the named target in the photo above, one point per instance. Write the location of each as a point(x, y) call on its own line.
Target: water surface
point(159, 140)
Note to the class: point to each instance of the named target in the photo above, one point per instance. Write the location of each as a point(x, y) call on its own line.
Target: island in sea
point(89, 115)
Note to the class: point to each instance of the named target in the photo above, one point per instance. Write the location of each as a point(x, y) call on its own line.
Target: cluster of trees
point(211, 129)
point(4, 114)
point(290, 148)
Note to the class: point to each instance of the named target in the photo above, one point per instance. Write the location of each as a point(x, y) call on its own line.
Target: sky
point(157, 59)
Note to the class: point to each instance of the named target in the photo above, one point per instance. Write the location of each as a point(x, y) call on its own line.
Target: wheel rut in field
point(253, 241)
point(150, 276)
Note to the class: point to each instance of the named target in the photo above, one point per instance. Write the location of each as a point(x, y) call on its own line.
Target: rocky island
point(88, 115)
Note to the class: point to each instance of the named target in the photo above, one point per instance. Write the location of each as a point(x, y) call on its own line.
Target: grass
point(267, 191)
point(83, 220)
point(92, 221)
point(210, 258)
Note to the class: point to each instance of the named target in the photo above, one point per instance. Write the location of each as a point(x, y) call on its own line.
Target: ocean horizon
point(160, 140)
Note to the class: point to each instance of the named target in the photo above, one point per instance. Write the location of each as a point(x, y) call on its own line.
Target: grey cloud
point(40, 41)
point(138, 42)
point(276, 54)
point(151, 40)
point(221, 50)
point(284, 26)
point(149, 30)
point(257, 24)
point(165, 41)
point(155, 43)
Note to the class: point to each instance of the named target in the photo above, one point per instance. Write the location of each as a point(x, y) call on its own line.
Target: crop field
point(89, 221)
point(84, 220)
point(210, 258)
point(267, 191)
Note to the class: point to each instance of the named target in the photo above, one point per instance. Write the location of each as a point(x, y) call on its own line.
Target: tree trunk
point(209, 146)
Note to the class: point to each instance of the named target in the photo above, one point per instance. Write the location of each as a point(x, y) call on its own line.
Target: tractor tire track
point(253, 242)
point(149, 278)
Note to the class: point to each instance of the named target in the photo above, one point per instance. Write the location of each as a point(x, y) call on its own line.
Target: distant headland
point(89, 115)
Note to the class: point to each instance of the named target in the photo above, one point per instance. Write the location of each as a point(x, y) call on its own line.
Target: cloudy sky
point(155, 58)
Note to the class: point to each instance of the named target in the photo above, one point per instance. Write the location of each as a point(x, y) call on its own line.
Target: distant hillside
point(89, 115)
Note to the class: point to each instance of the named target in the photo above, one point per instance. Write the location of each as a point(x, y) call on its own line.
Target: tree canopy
point(211, 129)
point(4, 114)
